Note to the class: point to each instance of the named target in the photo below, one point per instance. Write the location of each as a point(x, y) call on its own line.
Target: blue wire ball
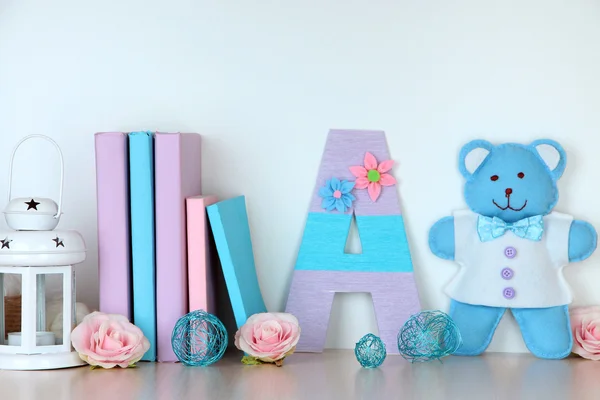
point(428, 335)
point(370, 351)
point(199, 339)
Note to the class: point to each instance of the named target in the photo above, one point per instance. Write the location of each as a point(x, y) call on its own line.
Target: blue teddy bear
point(511, 247)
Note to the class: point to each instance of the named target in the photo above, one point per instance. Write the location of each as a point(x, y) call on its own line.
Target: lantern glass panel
point(49, 308)
point(10, 309)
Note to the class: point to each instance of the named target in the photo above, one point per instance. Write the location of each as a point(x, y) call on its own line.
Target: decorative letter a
point(355, 178)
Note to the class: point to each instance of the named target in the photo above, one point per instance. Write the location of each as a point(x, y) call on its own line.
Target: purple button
point(508, 293)
point(507, 273)
point(510, 252)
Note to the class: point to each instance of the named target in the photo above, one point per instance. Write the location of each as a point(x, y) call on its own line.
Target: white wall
point(264, 82)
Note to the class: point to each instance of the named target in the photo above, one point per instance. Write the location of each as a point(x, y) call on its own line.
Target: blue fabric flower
point(336, 195)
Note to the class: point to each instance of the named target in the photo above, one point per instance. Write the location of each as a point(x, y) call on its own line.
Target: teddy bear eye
point(521, 175)
point(494, 177)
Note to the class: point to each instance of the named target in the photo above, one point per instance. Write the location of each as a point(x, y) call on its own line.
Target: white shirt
point(510, 271)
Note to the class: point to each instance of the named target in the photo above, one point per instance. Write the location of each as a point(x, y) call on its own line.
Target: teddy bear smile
point(508, 207)
point(508, 192)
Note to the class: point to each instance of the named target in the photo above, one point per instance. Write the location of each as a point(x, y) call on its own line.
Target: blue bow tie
point(531, 228)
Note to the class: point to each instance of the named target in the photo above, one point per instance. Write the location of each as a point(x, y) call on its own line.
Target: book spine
point(177, 176)
point(200, 268)
point(141, 170)
point(112, 191)
point(171, 271)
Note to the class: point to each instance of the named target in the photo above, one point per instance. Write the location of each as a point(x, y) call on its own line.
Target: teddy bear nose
point(508, 191)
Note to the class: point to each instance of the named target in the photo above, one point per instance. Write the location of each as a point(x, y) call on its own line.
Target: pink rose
point(585, 323)
point(108, 340)
point(269, 337)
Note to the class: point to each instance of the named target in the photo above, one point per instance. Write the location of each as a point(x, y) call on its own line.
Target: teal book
point(141, 174)
point(229, 224)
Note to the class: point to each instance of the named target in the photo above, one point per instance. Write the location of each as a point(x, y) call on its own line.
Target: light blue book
point(141, 174)
point(229, 224)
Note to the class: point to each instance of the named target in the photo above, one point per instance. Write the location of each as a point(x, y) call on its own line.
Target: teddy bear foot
point(476, 325)
point(546, 331)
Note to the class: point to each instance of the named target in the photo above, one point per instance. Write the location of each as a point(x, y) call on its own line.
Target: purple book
point(112, 191)
point(177, 158)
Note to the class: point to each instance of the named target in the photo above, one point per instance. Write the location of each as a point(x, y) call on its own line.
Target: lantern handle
point(62, 168)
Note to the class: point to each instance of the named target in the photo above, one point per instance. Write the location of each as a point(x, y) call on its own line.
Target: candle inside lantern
point(42, 339)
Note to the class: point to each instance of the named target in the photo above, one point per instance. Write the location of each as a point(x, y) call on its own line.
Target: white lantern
point(34, 251)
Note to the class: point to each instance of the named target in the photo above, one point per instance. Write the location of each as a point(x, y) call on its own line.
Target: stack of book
point(156, 231)
point(153, 264)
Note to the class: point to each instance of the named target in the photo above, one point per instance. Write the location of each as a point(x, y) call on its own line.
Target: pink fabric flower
point(269, 337)
point(372, 175)
point(108, 340)
point(585, 323)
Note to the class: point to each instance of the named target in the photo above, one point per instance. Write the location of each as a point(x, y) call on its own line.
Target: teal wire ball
point(370, 351)
point(199, 339)
point(428, 335)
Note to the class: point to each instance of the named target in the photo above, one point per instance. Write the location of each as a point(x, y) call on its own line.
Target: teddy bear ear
point(472, 156)
point(552, 154)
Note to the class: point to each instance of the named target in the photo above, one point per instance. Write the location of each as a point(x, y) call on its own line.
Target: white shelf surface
point(334, 374)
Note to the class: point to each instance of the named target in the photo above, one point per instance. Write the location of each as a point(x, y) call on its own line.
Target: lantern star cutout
point(5, 243)
point(58, 241)
point(32, 204)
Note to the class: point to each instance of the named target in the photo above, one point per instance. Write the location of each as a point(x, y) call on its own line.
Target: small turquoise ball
point(199, 339)
point(428, 335)
point(370, 351)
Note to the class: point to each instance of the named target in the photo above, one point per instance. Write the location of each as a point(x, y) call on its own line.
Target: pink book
point(177, 161)
point(112, 191)
point(200, 267)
